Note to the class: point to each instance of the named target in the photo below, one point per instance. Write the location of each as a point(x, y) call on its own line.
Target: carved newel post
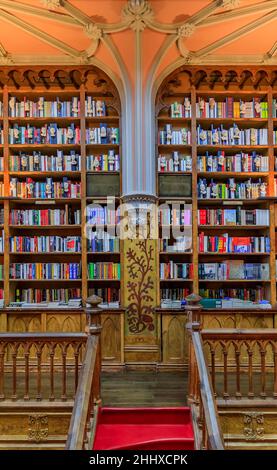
point(94, 328)
point(93, 311)
point(193, 309)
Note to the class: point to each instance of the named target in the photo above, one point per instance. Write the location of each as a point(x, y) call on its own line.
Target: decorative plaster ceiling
point(205, 31)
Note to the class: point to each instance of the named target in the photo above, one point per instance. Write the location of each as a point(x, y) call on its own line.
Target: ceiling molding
point(239, 12)
point(38, 12)
point(237, 34)
point(79, 15)
point(41, 35)
point(273, 51)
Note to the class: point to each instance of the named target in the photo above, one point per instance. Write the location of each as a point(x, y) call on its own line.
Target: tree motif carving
point(140, 310)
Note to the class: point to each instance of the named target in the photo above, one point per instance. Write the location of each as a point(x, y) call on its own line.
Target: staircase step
point(144, 429)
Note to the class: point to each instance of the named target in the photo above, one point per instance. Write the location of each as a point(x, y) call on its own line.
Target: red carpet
point(144, 429)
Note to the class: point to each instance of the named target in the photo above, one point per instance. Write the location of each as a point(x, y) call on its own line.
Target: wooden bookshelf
point(176, 89)
point(97, 86)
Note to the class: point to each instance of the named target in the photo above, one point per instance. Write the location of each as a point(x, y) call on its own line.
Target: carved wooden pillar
point(140, 280)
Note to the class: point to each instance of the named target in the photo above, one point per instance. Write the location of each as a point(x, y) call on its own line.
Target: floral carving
point(137, 13)
point(38, 428)
point(140, 285)
point(253, 425)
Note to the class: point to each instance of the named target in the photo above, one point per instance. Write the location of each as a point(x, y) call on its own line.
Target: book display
point(225, 143)
point(53, 139)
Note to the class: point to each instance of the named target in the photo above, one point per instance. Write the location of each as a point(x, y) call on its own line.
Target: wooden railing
point(84, 416)
point(243, 363)
point(37, 366)
point(206, 424)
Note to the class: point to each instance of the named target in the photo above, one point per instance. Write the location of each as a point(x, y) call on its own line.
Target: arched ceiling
point(75, 31)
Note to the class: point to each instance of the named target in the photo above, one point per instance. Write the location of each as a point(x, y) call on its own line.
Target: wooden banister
point(209, 431)
point(84, 415)
point(47, 358)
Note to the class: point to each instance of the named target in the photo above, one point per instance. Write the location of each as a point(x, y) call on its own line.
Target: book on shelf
point(39, 108)
point(108, 270)
point(45, 244)
point(101, 241)
point(173, 270)
point(2, 189)
point(110, 295)
point(1, 272)
point(31, 295)
point(109, 305)
point(39, 162)
point(45, 190)
point(41, 217)
point(102, 215)
point(241, 162)
point(103, 162)
point(255, 294)
point(274, 108)
point(1, 163)
point(174, 294)
point(231, 108)
point(234, 270)
point(237, 304)
point(94, 107)
point(181, 110)
point(102, 135)
point(41, 271)
point(1, 109)
point(227, 244)
point(233, 217)
point(50, 134)
point(232, 189)
point(231, 136)
point(168, 303)
point(1, 135)
point(180, 245)
point(170, 136)
point(174, 216)
point(176, 163)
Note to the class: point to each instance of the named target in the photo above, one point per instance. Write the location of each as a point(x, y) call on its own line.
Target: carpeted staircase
point(144, 429)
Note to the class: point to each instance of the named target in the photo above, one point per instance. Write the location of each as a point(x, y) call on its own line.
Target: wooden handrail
point(43, 357)
point(87, 395)
point(240, 334)
point(211, 426)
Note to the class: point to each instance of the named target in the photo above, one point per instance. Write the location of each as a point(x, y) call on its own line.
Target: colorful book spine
point(38, 162)
point(219, 136)
point(233, 217)
point(103, 270)
point(43, 271)
point(226, 244)
point(255, 295)
point(102, 215)
point(42, 217)
point(95, 108)
point(172, 216)
point(108, 294)
point(170, 136)
point(30, 189)
point(45, 244)
point(173, 270)
point(104, 162)
point(101, 241)
point(176, 163)
point(210, 189)
point(50, 134)
point(181, 110)
point(174, 293)
point(46, 295)
point(241, 162)
point(27, 108)
point(231, 108)
point(102, 135)
point(233, 270)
